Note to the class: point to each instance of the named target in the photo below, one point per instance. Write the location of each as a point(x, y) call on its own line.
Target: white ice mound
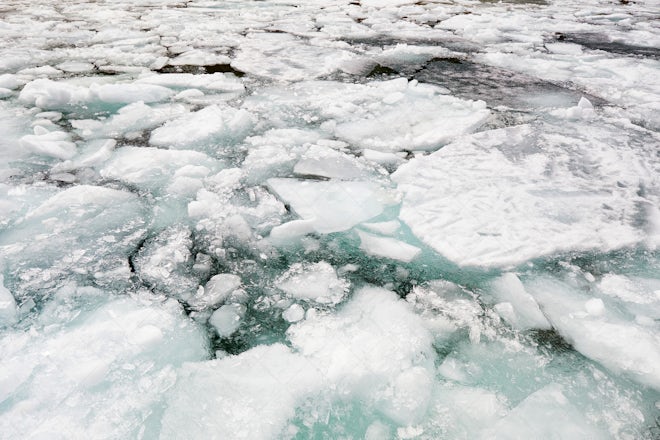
point(316, 283)
point(502, 197)
point(52, 95)
point(329, 206)
point(56, 144)
point(214, 123)
point(599, 330)
point(386, 116)
point(93, 372)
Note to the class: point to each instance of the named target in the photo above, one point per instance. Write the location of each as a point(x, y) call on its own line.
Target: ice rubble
point(93, 365)
point(41, 247)
point(375, 349)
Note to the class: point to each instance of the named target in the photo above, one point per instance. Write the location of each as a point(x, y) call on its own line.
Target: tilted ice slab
point(328, 206)
point(375, 350)
point(505, 196)
point(93, 366)
point(530, 419)
point(53, 95)
point(596, 327)
point(386, 116)
point(216, 82)
point(211, 124)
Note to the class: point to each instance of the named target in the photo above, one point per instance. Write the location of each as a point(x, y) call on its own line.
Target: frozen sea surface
point(374, 219)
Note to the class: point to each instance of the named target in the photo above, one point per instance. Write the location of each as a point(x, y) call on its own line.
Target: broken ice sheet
point(385, 116)
point(502, 197)
point(83, 231)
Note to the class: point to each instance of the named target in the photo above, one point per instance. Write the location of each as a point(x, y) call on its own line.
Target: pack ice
point(389, 219)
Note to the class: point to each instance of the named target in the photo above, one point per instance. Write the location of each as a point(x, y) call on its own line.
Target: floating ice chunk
point(376, 349)
point(54, 95)
point(315, 283)
point(388, 247)
point(211, 124)
point(385, 228)
point(383, 158)
point(132, 118)
point(332, 206)
point(5, 93)
point(564, 48)
point(56, 144)
point(112, 361)
point(284, 57)
point(584, 110)
point(10, 81)
point(387, 116)
point(153, 168)
point(8, 310)
point(637, 291)
point(217, 82)
point(227, 319)
point(617, 343)
point(125, 93)
point(378, 431)
point(445, 308)
point(276, 151)
point(535, 417)
point(294, 313)
point(323, 161)
point(525, 312)
point(216, 291)
point(502, 197)
point(197, 57)
point(92, 153)
point(75, 67)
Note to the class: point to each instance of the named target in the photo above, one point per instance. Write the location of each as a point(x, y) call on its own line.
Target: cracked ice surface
point(378, 219)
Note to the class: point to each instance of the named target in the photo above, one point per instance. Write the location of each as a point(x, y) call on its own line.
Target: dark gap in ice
point(200, 70)
point(498, 87)
point(380, 70)
point(383, 41)
point(596, 41)
point(551, 340)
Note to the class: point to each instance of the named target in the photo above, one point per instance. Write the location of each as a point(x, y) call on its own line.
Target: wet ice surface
point(366, 220)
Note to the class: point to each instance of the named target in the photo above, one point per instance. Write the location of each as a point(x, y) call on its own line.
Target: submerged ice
point(363, 220)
